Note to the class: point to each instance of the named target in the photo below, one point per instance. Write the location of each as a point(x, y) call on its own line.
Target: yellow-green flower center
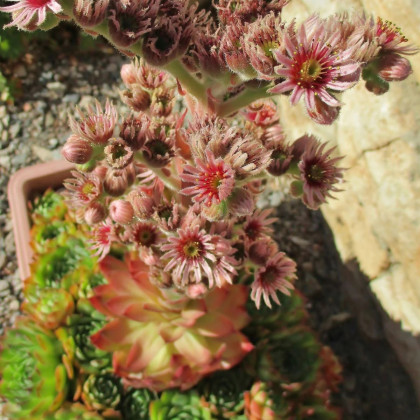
point(310, 71)
point(192, 249)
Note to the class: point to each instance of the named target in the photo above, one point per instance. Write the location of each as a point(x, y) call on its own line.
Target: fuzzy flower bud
point(142, 204)
point(134, 131)
point(121, 211)
point(118, 154)
point(95, 213)
point(136, 98)
point(90, 13)
point(115, 182)
point(128, 21)
point(393, 67)
point(77, 150)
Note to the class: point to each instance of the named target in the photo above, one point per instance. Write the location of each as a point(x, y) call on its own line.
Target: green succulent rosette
point(34, 380)
point(136, 402)
point(102, 392)
point(49, 206)
point(48, 307)
point(74, 412)
point(44, 233)
point(287, 356)
point(223, 392)
point(57, 267)
point(173, 405)
point(80, 327)
point(88, 280)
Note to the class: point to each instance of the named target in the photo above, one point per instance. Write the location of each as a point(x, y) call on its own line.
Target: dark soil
point(375, 386)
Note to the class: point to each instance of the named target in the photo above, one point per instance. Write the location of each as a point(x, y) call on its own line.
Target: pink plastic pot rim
point(22, 186)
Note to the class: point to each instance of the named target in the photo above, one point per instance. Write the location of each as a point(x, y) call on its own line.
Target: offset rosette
point(173, 405)
point(161, 339)
point(288, 356)
point(74, 412)
point(102, 392)
point(34, 382)
point(223, 392)
point(136, 402)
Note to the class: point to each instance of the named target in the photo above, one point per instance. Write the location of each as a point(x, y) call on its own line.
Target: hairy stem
point(241, 100)
point(187, 80)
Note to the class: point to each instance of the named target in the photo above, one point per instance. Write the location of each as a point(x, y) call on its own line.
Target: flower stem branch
point(241, 100)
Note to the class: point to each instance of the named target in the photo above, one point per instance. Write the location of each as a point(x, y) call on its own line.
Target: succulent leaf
point(174, 405)
point(101, 392)
point(162, 339)
point(34, 381)
point(135, 404)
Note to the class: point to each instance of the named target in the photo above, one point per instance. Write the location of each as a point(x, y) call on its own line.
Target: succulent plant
point(49, 206)
point(161, 339)
point(223, 392)
point(173, 405)
point(45, 232)
point(260, 406)
point(74, 411)
point(34, 381)
point(288, 356)
point(49, 307)
point(265, 320)
point(80, 327)
point(102, 391)
point(135, 404)
point(56, 263)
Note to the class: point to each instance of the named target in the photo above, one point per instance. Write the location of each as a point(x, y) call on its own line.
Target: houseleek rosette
point(223, 392)
point(259, 405)
point(161, 339)
point(49, 307)
point(289, 355)
point(34, 381)
point(44, 233)
point(50, 206)
point(136, 402)
point(56, 266)
point(74, 412)
point(173, 405)
point(102, 391)
point(80, 327)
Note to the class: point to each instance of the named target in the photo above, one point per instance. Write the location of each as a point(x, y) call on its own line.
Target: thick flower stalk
point(162, 339)
point(34, 381)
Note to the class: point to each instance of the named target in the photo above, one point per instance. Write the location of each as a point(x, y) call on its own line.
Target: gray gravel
point(34, 129)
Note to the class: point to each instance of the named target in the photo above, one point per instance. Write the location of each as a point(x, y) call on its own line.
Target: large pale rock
point(376, 220)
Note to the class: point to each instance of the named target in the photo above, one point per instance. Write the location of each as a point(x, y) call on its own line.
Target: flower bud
point(100, 172)
point(128, 74)
point(121, 211)
point(77, 150)
point(393, 67)
point(143, 205)
point(115, 182)
point(136, 98)
point(261, 250)
point(134, 131)
point(89, 13)
point(118, 154)
point(95, 213)
point(241, 202)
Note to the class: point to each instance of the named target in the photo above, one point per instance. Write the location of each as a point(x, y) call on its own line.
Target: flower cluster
point(316, 59)
point(165, 198)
